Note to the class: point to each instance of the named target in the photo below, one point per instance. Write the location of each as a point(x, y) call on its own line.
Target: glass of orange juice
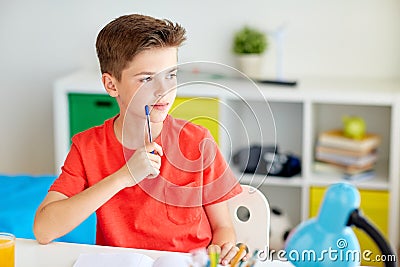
point(7, 250)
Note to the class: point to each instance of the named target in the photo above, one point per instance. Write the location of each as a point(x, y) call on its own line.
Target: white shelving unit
point(299, 114)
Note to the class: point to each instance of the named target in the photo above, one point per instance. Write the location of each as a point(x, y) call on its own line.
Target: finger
point(233, 255)
point(240, 257)
point(155, 164)
point(155, 161)
point(154, 147)
point(229, 255)
point(246, 253)
point(158, 148)
point(226, 248)
point(149, 148)
point(154, 157)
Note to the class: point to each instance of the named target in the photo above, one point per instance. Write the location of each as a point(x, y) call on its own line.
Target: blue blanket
point(20, 196)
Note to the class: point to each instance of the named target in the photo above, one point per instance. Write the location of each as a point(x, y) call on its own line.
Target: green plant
point(249, 41)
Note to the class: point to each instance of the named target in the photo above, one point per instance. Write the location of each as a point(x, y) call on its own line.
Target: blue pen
point(146, 109)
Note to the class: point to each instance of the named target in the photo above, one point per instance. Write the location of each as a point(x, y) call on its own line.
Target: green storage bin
point(88, 110)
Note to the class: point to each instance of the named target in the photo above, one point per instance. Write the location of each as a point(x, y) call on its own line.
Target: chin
point(158, 117)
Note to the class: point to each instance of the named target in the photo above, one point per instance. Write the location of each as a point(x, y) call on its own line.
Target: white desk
point(31, 254)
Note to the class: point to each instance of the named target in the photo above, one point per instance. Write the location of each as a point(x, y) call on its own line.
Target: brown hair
point(123, 38)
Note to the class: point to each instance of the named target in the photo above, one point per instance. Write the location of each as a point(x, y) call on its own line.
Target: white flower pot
point(250, 64)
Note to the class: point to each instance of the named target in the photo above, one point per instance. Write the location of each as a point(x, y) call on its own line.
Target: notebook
point(131, 259)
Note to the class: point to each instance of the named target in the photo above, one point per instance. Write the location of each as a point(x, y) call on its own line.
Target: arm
point(224, 238)
point(58, 214)
point(221, 224)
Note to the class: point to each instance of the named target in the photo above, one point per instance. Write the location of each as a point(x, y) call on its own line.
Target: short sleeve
point(220, 183)
point(72, 179)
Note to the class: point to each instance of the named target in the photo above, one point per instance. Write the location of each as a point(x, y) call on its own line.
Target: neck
point(133, 134)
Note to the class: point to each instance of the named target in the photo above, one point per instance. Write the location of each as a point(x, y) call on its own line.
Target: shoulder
point(96, 134)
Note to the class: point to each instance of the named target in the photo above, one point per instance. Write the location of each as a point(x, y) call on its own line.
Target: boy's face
point(149, 79)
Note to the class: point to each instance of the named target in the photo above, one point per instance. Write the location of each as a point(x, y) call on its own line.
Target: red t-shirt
point(165, 213)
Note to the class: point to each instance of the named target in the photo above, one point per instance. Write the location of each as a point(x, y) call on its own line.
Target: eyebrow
point(152, 73)
point(173, 69)
point(144, 73)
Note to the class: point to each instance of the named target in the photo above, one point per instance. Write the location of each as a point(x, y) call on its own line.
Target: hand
point(144, 164)
point(228, 252)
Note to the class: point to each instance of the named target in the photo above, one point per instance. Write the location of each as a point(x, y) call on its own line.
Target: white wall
point(46, 39)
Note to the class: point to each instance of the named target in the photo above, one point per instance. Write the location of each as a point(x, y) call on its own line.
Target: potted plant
point(249, 44)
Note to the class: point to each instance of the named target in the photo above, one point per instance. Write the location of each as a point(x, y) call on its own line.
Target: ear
point(109, 84)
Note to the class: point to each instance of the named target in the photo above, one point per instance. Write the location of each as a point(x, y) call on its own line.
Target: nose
point(161, 88)
point(159, 92)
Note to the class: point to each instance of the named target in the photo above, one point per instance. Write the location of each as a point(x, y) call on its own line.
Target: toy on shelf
point(280, 228)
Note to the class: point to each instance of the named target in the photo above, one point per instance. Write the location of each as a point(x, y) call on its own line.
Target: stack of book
point(354, 159)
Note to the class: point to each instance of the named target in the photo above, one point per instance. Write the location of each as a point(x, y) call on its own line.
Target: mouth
point(160, 106)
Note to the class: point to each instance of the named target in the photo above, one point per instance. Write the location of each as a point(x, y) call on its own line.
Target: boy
point(164, 195)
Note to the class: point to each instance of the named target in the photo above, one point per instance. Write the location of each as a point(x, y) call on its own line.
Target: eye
point(171, 75)
point(146, 79)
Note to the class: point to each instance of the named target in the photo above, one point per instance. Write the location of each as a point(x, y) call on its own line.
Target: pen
point(237, 256)
point(146, 109)
point(214, 257)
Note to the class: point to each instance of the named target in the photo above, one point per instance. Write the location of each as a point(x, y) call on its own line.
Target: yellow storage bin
point(374, 206)
point(88, 110)
point(199, 110)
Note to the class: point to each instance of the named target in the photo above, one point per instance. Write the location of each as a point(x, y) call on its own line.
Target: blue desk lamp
point(328, 239)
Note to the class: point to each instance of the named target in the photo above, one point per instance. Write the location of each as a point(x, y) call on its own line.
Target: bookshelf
point(299, 114)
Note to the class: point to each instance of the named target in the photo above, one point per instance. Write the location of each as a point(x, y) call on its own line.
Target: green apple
point(354, 127)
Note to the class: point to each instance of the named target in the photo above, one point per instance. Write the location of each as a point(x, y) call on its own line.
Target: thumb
point(153, 173)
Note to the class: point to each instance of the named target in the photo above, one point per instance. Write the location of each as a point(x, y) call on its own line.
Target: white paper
point(113, 260)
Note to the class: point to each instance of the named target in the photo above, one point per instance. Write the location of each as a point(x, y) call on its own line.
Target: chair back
point(250, 215)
